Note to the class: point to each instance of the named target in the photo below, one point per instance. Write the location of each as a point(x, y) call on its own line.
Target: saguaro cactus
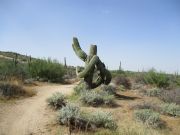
point(92, 64)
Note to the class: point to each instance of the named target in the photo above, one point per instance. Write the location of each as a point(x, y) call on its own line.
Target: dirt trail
point(31, 115)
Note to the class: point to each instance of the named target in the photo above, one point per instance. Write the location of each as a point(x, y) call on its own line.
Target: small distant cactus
point(15, 59)
point(92, 64)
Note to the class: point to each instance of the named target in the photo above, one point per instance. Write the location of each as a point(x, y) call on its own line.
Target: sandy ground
point(31, 115)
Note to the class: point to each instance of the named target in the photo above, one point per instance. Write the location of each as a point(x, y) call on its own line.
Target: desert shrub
point(122, 80)
point(48, 69)
point(80, 88)
point(68, 113)
point(94, 98)
point(160, 80)
point(103, 119)
point(57, 100)
point(148, 117)
point(154, 92)
point(171, 96)
point(170, 109)
point(13, 90)
point(72, 116)
point(109, 89)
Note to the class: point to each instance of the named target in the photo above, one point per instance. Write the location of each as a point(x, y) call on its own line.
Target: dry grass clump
point(145, 105)
point(11, 90)
point(122, 80)
point(170, 96)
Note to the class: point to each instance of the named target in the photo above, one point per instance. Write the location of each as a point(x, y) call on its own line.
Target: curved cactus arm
point(108, 77)
point(89, 67)
point(79, 52)
point(105, 74)
point(98, 82)
point(93, 50)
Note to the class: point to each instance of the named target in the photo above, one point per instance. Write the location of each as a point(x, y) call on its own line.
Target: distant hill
point(12, 55)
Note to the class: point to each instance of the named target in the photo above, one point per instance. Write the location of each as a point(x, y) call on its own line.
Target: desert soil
point(31, 116)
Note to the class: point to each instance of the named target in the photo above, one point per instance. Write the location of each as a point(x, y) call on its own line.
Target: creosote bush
point(57, 100)
point(148, 117)
point(71, 115)
point(94, 98)
point(170, 109)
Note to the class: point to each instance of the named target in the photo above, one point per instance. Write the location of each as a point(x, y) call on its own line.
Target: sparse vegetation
point(145, 105)
point(154, 92)
point(170, 109)
point(171, 96)
point(148, 109)
point(57, 100)
point(148, 117)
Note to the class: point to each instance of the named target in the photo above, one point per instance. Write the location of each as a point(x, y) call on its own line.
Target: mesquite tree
point(92, 64)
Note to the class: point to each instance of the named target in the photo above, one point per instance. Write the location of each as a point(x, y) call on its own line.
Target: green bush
point(94, 98)
point(9, 71)
point(148, 117)
point(103, 119)
point(170, 109)
point(57, 100)
point(48, 69)
point(160, 80)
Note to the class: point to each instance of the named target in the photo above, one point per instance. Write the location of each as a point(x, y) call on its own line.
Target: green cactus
point(92, 64)
point(15, 59)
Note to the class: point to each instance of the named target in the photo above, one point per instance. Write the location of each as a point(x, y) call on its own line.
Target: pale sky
point(140, 33)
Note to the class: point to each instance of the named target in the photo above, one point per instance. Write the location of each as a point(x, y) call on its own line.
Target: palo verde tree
point(92, 64)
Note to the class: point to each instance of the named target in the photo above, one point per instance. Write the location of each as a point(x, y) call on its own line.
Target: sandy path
point(31, 115)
